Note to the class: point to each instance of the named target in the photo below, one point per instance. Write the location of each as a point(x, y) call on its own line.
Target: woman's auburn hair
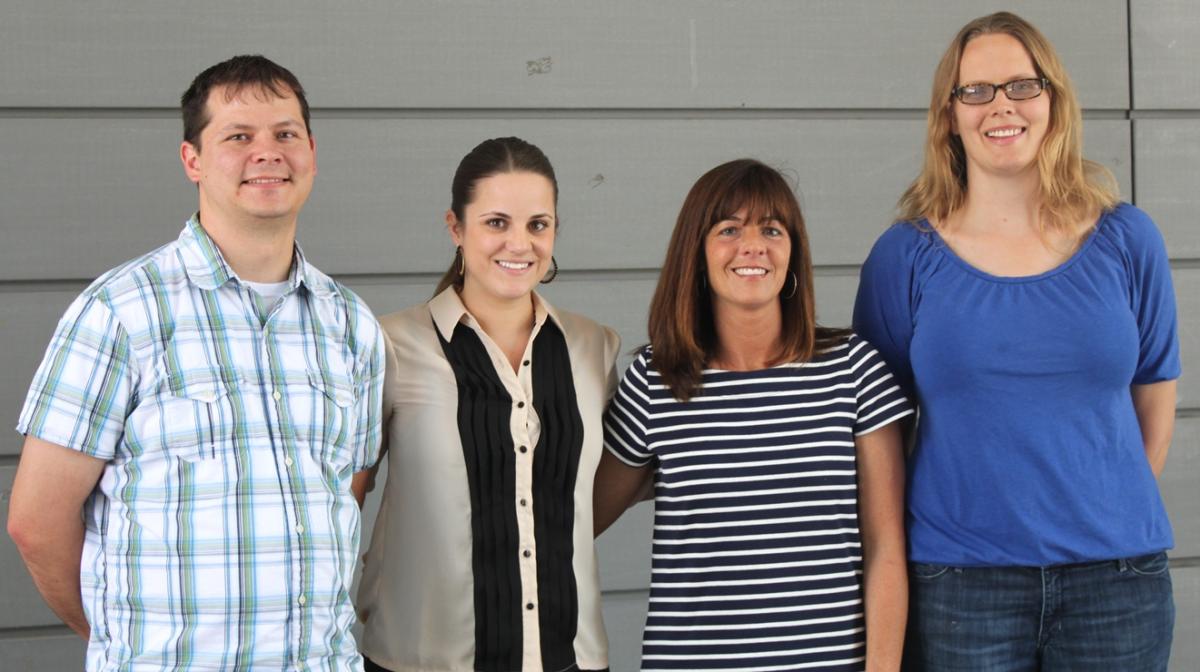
point(1072, 188)
point(681, 326)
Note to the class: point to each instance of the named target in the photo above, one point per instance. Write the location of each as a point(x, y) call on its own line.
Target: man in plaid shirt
point(183, 498)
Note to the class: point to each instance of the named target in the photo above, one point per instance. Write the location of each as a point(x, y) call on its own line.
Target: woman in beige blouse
point(482, 556)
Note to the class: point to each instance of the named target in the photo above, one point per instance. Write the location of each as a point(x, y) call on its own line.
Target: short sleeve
point(1153, 303)
point(368, 434)
point(883, 312)
point(81, 393)
point(627, 417)
point(880, 401)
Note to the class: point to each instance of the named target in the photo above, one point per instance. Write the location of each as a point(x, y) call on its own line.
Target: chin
point(511, 292)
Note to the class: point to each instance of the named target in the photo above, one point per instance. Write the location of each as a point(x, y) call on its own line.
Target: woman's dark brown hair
point(681, 326)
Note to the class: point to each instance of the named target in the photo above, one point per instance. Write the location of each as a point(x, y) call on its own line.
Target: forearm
point(53, 562)
point(616, 488)
point(45, 522)
point(885, 596)
point(1156, 455)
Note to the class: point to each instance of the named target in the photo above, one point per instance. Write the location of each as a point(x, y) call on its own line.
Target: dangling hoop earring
point(462, 263)
point(795, 285)
point(553, 271)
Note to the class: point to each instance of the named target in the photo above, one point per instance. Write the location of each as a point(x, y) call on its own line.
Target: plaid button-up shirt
point(222, 533)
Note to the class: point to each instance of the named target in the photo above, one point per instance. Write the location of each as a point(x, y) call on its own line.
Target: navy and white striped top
point(757, 562)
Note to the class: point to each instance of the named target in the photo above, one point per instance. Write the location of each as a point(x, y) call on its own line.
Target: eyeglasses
point(983, 93)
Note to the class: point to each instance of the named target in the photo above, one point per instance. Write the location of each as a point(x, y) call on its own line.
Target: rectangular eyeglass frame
point(957, 91)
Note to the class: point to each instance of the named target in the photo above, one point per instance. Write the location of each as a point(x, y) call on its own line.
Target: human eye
point(973, 94)
point(287, 135)
point(1024, 88)
point(773, 230)
point(725, 230)
point(539, 225)
point(496, 223)
point(238, 137)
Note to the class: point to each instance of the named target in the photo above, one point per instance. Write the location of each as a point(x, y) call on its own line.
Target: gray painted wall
point(632, 101)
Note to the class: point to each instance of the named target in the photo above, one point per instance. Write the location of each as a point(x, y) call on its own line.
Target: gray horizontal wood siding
point(631, 100)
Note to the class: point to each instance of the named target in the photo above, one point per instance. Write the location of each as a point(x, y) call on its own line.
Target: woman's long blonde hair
point(1072, 188)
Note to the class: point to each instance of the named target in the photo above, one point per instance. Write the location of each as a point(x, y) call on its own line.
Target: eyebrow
point(765, 218)
point(248, 127)
point(1012, 78)
point(505, 215)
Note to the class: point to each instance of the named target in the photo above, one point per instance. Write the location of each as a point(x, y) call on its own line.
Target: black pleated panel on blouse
point(484, 415)
point(555, 466)
point(484, 411)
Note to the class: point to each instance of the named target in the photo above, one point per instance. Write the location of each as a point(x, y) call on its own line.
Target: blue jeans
point(1112, 615)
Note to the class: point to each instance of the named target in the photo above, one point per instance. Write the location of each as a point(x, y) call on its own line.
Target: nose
point(1001, 104)
point(754, 243)
point(266, 151)
point(518, 239)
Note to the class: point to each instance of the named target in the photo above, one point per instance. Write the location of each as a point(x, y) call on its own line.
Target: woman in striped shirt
point(773, 446)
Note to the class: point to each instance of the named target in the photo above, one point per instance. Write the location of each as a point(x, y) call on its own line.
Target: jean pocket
point(926, 571)
point(1153, 564)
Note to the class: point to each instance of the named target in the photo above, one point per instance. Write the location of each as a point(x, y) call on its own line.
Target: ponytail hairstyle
point(491, 157)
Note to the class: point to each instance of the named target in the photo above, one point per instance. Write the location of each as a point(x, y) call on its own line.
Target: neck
point(503, 321)
point(1001, 204)
point(747, 340)
point(256, 251)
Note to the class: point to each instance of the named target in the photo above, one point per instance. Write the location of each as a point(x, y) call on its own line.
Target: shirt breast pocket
point(196, 416)
point(325, 417)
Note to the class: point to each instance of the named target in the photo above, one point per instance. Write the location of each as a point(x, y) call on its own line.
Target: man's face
point(258, 160)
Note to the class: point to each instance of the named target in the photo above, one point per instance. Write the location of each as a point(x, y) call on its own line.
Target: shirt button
point(520, 404)
point(527, 553)
point(288, 461)
point(300, 528)
point(523, 449)
point(276, 395)
point(525, 363)
point(304, 600)
point(529, 606)
point(523, 503)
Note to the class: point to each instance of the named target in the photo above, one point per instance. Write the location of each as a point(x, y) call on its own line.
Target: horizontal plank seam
point(573, 275)
point(440, 113)
point(36, 631)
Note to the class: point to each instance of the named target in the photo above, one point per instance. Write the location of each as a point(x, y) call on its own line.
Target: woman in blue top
point(773, 447)
point(1032, 317)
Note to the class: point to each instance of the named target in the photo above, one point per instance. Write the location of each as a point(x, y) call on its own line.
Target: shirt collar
point(448, 311)
point(208, 270)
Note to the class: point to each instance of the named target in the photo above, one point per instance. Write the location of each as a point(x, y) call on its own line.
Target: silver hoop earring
point(795, 286)
point(553, 271)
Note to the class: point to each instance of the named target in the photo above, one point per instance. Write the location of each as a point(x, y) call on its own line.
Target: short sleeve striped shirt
point(222, 534)
point(756, 560)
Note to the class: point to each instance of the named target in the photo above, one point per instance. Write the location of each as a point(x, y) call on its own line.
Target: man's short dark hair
point(236, 74)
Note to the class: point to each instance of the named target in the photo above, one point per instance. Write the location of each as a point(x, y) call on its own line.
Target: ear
point(190, 157)
point(452, 226)
point(312, 143)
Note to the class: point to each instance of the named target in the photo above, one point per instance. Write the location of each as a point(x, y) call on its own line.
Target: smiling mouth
point(261, 181)
point(515, 265)
point(1008, 132)
point(753, 272)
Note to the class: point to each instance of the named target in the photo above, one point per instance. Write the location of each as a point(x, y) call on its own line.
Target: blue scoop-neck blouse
point(1028, 449)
